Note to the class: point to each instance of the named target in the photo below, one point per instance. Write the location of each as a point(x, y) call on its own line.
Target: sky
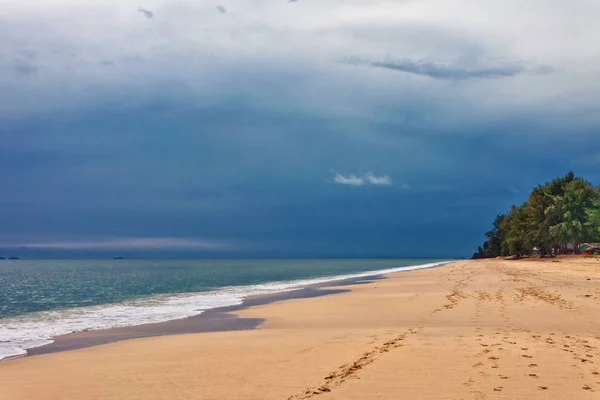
point(282, 128)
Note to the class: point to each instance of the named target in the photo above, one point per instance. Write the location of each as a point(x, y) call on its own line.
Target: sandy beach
point(490, 329)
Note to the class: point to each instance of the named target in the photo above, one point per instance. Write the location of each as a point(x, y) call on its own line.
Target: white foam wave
point(17, 334)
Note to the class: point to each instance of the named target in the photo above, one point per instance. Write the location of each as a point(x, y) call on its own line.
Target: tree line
point(565, 211)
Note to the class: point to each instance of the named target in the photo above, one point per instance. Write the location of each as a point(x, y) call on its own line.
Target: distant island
point(559, 217)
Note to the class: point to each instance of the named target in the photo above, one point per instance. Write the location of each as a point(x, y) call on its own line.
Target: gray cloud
point(177, 184)
point(221, 9)
point(439, 71)
point(146, 13)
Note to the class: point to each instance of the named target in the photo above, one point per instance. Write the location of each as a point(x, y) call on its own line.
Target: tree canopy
point(565, 211)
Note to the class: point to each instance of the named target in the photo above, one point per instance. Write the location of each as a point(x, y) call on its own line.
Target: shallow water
point(43, 299)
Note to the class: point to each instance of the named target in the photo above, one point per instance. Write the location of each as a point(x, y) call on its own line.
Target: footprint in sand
point(479, 396)
point(543, 387)
point(503, 377)
point(498, 389)
point(533, 375)
point(587, 387)
point(526, 356)
point(533, 365)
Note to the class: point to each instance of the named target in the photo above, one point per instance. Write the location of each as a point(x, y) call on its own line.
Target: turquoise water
point(43, 299)
point(29, 286)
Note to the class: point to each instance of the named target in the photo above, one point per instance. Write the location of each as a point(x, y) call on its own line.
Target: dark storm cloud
point(227, 176)
point(438, 71)
point(241, 136)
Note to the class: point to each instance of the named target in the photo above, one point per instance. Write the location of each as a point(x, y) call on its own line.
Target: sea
point(42, 299)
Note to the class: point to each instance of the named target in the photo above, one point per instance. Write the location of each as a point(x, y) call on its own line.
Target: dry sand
point(489, 329)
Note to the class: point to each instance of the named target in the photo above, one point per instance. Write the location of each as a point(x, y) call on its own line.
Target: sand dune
point(488, 329)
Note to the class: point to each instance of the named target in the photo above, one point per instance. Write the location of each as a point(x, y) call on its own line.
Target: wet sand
point(219, 319)
point(490, 329)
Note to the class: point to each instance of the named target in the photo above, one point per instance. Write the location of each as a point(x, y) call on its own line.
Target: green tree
point(540, 216)
point(571, 213)
point(563, 211)
point(516, 229)
point(593, 222)
point(495, 238)
point(480, 253)
point(546, 210)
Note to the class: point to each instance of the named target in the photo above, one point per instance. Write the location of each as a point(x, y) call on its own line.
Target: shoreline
point(485, 329)
point(218, 319)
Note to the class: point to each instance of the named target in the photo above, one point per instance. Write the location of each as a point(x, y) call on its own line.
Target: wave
point(17, 334)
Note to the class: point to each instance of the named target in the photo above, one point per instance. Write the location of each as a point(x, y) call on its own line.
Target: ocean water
point(43, 299)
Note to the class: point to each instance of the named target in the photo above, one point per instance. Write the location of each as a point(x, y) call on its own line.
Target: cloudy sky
point(286, 128)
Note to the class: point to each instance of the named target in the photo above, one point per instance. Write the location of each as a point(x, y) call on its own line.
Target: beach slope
point(490, 329)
